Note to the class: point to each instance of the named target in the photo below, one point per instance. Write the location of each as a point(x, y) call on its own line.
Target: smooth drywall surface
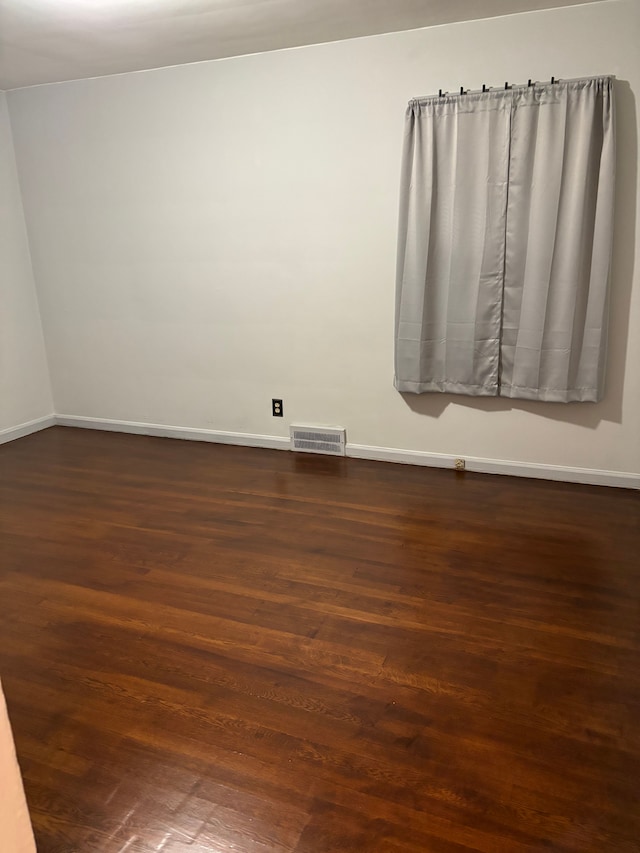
point(25, 393)
point(208, 237)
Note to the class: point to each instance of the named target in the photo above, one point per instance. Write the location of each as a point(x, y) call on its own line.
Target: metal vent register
point(309, 439)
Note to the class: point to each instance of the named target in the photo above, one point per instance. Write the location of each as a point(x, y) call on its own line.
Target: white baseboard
point(561, 473)
point(273, 442)
point(11, 433)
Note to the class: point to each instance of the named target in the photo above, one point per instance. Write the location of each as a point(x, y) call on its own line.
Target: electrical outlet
point(459, 465)
point(276, 408)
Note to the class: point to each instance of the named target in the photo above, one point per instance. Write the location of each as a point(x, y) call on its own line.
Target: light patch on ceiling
point(45, 41)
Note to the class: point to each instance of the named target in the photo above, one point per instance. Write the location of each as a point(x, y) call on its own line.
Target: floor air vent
point(309, 439)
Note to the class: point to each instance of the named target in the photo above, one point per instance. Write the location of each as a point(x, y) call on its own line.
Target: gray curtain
point(504, 242)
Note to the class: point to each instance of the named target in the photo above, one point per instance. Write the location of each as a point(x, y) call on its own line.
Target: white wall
point(25, 392)
point(207, 237)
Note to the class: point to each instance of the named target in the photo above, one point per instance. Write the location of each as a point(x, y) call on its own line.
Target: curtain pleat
point(450, 261)
point(558, 242)
point(504, 245)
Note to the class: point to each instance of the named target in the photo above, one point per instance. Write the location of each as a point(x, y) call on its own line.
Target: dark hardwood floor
point(210, 648)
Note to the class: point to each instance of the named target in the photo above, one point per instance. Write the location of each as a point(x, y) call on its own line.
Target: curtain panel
point(504, 243)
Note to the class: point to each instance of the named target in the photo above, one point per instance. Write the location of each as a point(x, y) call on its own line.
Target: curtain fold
point(504, 242)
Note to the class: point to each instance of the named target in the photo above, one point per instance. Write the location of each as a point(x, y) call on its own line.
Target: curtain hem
point(446, 387)
point(552, 395)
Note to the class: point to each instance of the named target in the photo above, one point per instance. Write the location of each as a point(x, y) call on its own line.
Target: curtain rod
point(529, 84)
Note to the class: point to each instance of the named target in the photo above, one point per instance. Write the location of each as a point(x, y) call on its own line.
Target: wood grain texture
point(211, 648)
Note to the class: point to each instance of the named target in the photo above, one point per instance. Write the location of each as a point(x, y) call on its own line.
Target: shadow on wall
point(610, 408)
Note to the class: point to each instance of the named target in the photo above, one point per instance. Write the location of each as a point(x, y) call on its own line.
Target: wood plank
point(208, 647)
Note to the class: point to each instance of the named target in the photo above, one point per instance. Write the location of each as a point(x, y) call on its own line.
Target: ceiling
point(45, 41)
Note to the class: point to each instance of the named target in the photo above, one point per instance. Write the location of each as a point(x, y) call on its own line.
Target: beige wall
point(16, 835)
point(25, 393)
point(207, 237)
